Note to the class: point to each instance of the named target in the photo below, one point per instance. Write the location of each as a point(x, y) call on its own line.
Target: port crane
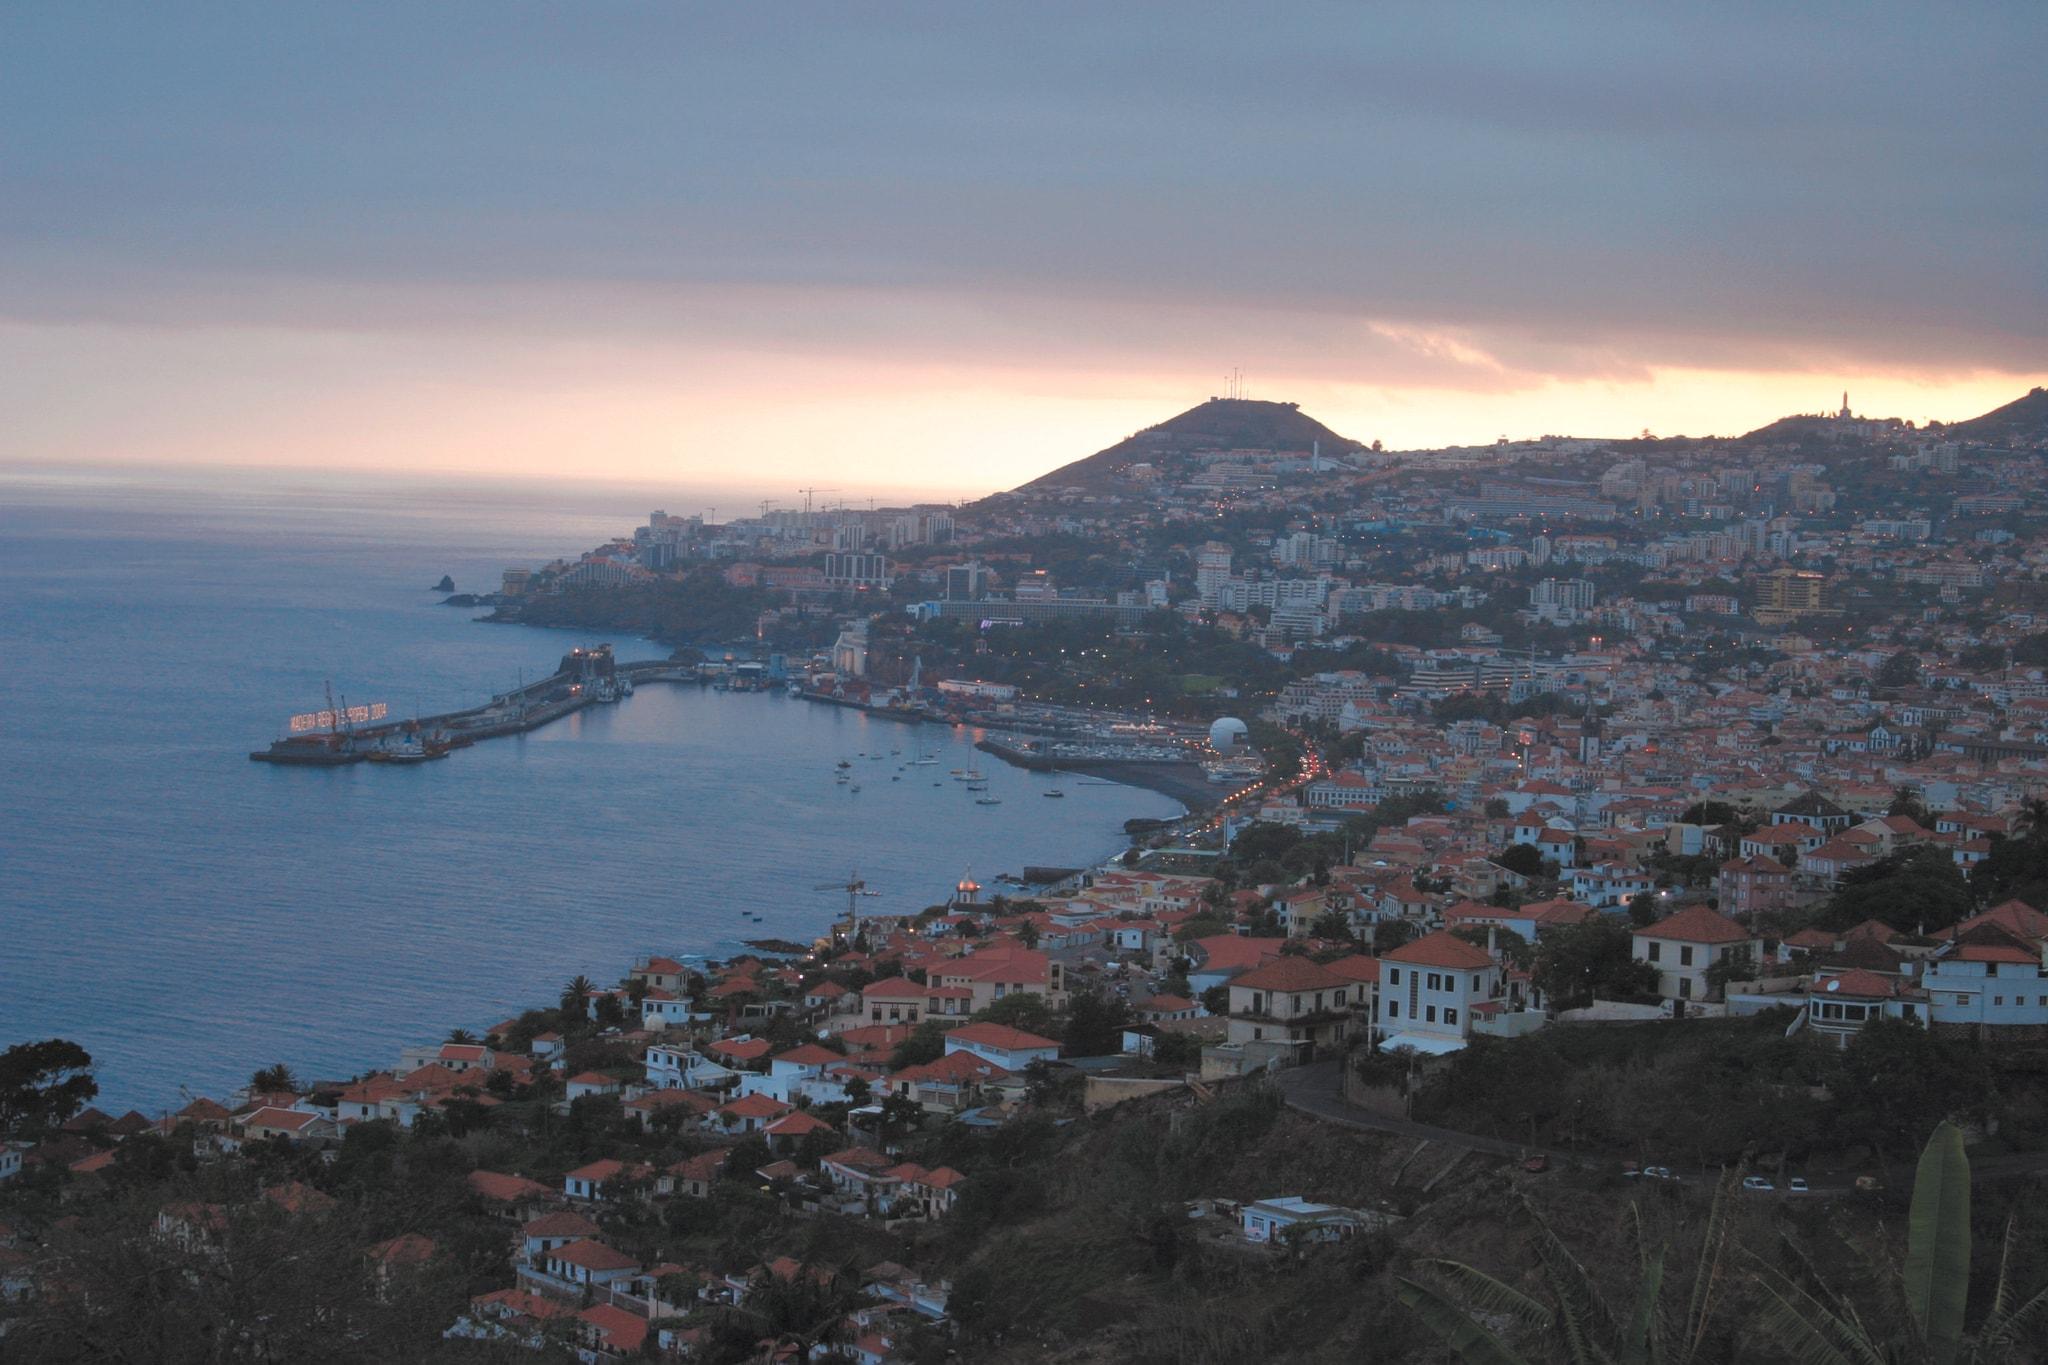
point(854, 888)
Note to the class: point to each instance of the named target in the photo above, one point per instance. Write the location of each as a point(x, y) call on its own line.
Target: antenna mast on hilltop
point(1233, 387)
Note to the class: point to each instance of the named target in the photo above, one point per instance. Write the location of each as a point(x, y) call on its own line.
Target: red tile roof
point(563, 1224)
point(1357, 967)
point(1441, 949)
point(1223, 952)
point(1696, 924)
point(755, 1106)
point(506, 1188)
point(1000, 1036)
point(797, 1124)
point(1288, 974)
point(623, 1333)
point(408, 1248)
point(1857, 982)
point(593, 1255)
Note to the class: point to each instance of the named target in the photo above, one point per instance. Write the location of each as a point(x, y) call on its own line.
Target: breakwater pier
point(586, 677)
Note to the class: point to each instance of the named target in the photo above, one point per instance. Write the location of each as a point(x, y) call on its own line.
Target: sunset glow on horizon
point(955, 254)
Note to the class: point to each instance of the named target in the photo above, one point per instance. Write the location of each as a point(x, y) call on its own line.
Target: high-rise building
point(966, 583)
point(1212, 570)
point(857, 570)
point(1575, 593)
point(1788, 594)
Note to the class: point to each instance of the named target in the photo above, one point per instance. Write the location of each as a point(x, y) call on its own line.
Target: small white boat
point(988, 801)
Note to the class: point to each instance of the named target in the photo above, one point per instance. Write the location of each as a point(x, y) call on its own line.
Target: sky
point(947, 248)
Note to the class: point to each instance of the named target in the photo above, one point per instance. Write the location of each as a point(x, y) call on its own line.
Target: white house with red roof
point(661, 974)
point(1291, 1000)
point(1220, 957)
point(662, 1009)
point(1606, 885)
point(1431, 992)
point(1012, 1049)
point(1682, 946)
point(588, 1263)
point(999, 971)
point(587, 1083)
point(676, 1066)
point(293, 1125)
point(538, 1236)
point(609, 1332)
point(802, 1071)
point(749, 1113)
point(899, 1000)
point(949, 1084)
point(588, 1182)
point(831, 998)
point(1839, 1004)
point(1362, 970)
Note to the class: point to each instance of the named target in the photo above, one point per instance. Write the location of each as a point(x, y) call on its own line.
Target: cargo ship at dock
point(312, 751)
point(323, 739)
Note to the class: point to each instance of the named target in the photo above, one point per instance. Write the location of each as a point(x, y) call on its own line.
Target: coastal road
point(1317, 1090)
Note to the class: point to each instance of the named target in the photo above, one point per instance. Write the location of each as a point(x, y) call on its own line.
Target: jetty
point(585, 678)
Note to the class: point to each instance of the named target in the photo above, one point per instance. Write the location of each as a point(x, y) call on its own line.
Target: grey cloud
point(1609, 185)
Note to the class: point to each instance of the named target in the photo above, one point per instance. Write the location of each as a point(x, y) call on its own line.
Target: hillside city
point(1571, 825)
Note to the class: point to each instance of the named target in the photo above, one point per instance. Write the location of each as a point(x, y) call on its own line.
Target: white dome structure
point(1229, 735)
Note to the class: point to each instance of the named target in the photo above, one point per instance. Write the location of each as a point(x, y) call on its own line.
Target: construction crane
point(807, 496)
point(767, 503)
point(854, 888)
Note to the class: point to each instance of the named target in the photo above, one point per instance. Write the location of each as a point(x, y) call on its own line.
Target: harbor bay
point(188, 915)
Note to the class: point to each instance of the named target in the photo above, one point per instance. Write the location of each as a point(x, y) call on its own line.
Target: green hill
point(2024, 421)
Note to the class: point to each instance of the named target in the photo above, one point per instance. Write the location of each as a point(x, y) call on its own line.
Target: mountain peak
point(1219, 424)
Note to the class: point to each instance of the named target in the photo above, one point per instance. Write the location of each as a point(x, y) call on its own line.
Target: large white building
point(1682, 946)
point(1431, 990)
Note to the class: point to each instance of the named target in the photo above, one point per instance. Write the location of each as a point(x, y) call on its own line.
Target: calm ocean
point(188, 915)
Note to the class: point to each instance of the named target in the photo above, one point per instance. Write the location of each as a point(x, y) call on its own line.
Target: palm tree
point(575, 993)
point(1824, 1328)
point(2032, 821)
point(461, 1035)
point(272, 1079)
point(1587, 1329)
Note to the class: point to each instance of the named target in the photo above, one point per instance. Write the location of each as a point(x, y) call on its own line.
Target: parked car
point(1866, 1184)
point(1797, 1185)
point(1537, 1164)
point(1658, 1173)
point(1756, 1184)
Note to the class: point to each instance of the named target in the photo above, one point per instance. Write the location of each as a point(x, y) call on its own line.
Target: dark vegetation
point(1711, 1093)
